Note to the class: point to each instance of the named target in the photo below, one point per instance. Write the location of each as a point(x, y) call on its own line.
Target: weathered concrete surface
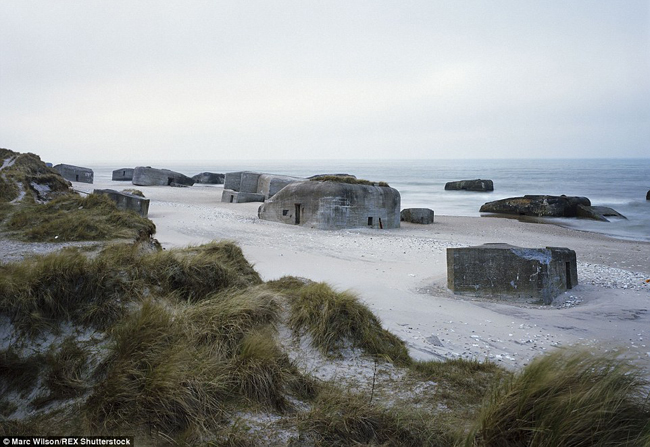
point(320, 176)
point(597, 213)
point(537, 205)
point(417, 215)
point(270, 184)
point(232, 180)
point(334, 205)
point(505, 271)
point(209, 178)
point(124, 174)
point(230, 196)
point(148, 176)
point(75, 173)
point(127, 201)
point(470, 185)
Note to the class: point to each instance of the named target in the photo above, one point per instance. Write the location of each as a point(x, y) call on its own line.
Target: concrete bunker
point(75, 173)
point(334, 205)
point(121, 175)
point(247, 186)
point(505, 271)
point(127, 201)
point(148, 176)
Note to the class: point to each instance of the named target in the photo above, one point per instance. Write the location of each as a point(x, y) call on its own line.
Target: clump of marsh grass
point(196, 272)
point(75, 218)
point(335, 320)
point(568, 399)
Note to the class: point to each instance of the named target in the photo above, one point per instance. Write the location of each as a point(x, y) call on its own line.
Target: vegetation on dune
point(40, 292)
point(336, 320)
point(29, 173)
point(568, 399)
point(347, 179)
point(75, 218)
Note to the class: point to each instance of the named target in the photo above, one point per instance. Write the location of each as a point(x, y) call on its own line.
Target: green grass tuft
point(336, 320)
point(568, 399)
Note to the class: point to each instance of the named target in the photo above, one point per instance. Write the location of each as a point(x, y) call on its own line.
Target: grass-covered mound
point(41, 292)
point(336, 320)
point(75, 218)
point(27, 174)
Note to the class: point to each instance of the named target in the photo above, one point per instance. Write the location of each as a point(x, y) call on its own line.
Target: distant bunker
point(247, 186)
point(417, 215)
point(329, 205)
point(122, 175)
point(148, 176)
point(505, 271)
point(75, 173)
point(470, 185)
point(126, 201)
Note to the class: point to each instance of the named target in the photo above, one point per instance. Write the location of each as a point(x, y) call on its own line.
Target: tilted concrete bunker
point(503, 270)
point(148, 176)
point(75, 173)
point(334, 205)
point(126, 201)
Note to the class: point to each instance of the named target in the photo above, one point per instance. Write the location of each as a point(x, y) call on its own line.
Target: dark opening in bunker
point(569, 285)
point(297, 214)
point(369, 221)
point(169, 180)
point(232, 197)
point(285, 212)
point(77, 177)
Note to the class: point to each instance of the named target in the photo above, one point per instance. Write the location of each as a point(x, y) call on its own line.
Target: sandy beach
point(401, 275)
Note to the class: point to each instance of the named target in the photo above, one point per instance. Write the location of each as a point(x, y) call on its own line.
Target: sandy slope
point(401, 275)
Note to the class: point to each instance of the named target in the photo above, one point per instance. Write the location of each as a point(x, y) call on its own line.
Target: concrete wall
point(417, 215)
point(332, 205)
point(270, 184)
point(123, 174)
point(230, 196)
point(126, 201)
point(232, 180)
point(75, 173)
point(503, 271)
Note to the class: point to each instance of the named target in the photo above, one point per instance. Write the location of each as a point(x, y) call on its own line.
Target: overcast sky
point(137, 80)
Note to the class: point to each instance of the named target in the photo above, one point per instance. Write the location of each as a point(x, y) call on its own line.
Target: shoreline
point(401, 275)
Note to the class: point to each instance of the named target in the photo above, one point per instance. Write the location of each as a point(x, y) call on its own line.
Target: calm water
point(619, 184)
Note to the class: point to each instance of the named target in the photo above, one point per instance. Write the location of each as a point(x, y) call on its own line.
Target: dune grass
point(336, 320)
point(40, 292)
point(175, 369)
point(568, 399)
point(343, 419)
point(28, 170)
point(75, 218)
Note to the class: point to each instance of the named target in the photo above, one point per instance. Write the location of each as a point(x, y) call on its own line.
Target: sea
point(621, 184)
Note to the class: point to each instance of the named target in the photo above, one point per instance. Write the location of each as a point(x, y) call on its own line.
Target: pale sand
point(401, 275)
